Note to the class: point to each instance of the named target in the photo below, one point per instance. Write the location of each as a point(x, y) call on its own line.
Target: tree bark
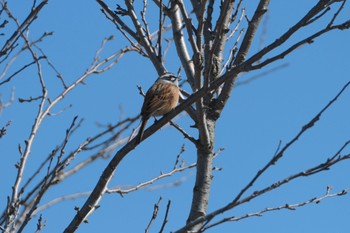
point(201, 190)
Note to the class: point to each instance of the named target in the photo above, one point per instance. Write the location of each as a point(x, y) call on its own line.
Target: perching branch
point(107, 174)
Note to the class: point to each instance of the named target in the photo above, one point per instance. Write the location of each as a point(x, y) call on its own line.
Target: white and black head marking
point(169, 77)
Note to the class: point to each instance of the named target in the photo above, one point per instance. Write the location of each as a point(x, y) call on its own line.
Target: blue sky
point(270, 109)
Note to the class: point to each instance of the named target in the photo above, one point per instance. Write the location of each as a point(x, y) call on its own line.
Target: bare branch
point(337, 13)
point(40, 225)
point(179, 155)
point(259, 213)
point(20, 70)
point(184, 133)
point(60, 199)
point(139, 35)
point(146, 28)
point(8, 103)
point(237, 25)
point(160, 30)
point(280, 154)
point(180, 43)
point(107, 174)
point(188, 24)
point(10, 43)
point(45, 105)
point(143, 40)
point(117, 19)
point(151, 181)
point(154, 215)
point(215, 53)
point(119, 190)
point(311, 171)
point(307, 40)
point(260, 75)
point(27, 214)
point(199, 8)
point(243, 51)
point(30, 99)
point(231, 58)
point(319, 7)
point(4, 129)
point(318, 168)
point(24, 67)
point(165, 217)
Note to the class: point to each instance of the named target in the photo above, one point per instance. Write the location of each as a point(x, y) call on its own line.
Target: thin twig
point(154, 215)
point(3, 130)
point(184, 133)
point(10, 43)
point(237, 25)
point(318, 168)
point(262, 74)
point(280, 154)
point(8, 103)
point(144, 40)
point(151, 181)
point(319, 7)
point(165, 217)
point(259, 213)
point(60, 199)
point(229, 62)
point(337, 13)
point(179, 155)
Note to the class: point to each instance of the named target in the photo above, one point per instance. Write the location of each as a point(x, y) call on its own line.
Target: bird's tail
point(142, 128)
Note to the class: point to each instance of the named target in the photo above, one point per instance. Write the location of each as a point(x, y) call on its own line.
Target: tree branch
point(241, 55)
point(301, 23)
point(259, 213)
point(316, 169)
point(107, 174)
point(143, 40)
point(307, 40)
point(9, 45)
point(180, 44)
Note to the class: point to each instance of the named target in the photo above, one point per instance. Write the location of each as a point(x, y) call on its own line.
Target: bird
point(160, 99)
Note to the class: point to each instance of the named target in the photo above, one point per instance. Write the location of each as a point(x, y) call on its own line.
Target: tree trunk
point(204, 177)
